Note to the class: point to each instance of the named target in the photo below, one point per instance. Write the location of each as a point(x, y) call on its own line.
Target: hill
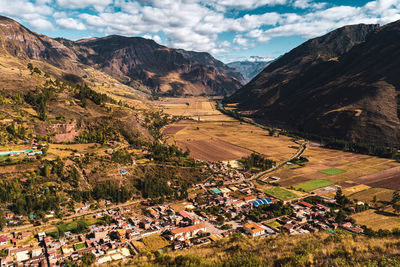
point(341, 85)
point(130, 60)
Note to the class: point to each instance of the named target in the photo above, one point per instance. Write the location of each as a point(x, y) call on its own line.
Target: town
point(225, 204)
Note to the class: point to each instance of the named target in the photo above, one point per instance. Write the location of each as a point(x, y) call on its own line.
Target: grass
point(281, 193)
point(312, 185)
point(377, 221)
point(79, 246)
point(151, 243)
point(274, 224)
point(332, 171)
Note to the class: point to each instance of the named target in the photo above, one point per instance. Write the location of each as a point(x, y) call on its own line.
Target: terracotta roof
point(253, 227)
point(188, 228)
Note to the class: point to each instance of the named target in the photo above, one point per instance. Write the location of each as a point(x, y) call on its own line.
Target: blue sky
point(228, 29)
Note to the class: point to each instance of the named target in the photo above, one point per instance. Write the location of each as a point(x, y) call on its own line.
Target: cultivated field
point(228, 140)
point(197, 108)
point(214, 136)
point(376, 221)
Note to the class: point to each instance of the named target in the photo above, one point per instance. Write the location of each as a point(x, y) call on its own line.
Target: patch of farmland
point(213, 150)
point(280, 193)
point(332, 171)
point(376, 221)
point(382, 194)
point(387, 179)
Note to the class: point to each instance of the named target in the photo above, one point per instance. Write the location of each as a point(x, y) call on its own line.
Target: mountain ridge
point(130, 60)
point(351, 94)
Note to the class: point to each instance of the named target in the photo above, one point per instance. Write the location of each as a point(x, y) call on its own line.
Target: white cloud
point(71, 24)
point(98, 5)
point(41, 24)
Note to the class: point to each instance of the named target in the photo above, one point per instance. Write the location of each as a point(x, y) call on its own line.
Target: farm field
point(332, 171)
point(228, 140)
point(220, 140)
point(382, 194)
point(151, 243)
point(196, 108)
point(312, 185)
point(281, 193)
point(377, 221)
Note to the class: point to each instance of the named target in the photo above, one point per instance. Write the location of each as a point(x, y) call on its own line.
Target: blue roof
point(260, 202)
point(216, 191)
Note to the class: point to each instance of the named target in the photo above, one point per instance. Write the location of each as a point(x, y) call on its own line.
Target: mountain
point(206, 59)
point(163, 70)
point(130, 60)
point(251, 67)
point(344, 84)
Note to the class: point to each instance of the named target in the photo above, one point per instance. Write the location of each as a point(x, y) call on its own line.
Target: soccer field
point(312, 185)
point(281, 193)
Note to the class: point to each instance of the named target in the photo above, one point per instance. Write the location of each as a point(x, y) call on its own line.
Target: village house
point(254, 229)
point(184, 233)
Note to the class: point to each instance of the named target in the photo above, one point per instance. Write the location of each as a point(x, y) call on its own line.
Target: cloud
point(41, 24)
point(71, 24)
point(98, 5)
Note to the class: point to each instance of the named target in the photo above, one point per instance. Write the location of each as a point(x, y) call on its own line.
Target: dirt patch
point(387, 179)
point(173, 129)
point(214, 150)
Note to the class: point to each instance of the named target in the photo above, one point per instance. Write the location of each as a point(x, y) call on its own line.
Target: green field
point(312, 185)
point(274, 224)
point(80, 246)
point(281, 193)
point(332, 171)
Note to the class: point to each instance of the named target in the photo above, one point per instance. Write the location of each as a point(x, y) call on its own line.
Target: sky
point(228, 29)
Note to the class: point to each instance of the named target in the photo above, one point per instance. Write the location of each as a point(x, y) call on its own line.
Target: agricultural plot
point(196, 108)
point(281, 193)
point(151, 243)
point(387, 179)
point(221, 139)
point(376, 221)
point(382, 194)
point(312, 185)
point(228, 140)
point(332, 171)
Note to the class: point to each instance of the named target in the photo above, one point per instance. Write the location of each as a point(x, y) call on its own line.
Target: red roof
point(305, 204)
point(3, 238)
point(184, 213)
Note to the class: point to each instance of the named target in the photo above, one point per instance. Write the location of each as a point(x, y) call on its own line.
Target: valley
point(121, 151)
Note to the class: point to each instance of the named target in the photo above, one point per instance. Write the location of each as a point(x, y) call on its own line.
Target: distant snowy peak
point(259, 59)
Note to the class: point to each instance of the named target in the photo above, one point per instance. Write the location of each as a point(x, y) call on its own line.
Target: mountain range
point(130, 60)
point(251, 67)
point(344, 84)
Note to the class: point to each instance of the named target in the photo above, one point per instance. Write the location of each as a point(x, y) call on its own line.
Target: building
point(184, 233)
point(254, 229)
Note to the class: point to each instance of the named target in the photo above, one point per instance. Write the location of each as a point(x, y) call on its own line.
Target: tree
point(341, 199)
point(396, 207)
point(3, 221)
point(374, 200)
point(88, 259)
point(396, 197)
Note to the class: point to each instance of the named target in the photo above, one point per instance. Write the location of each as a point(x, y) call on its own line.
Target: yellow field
point(377, 221)
point(382, 194)
point(351, 190)
point(197, 108)
point(63, 151)
point(229, 140)
point(354, 165)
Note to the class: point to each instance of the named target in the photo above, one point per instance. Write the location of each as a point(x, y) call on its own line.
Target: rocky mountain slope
point(344, 84)
point(130, 60)
point(249, 69)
